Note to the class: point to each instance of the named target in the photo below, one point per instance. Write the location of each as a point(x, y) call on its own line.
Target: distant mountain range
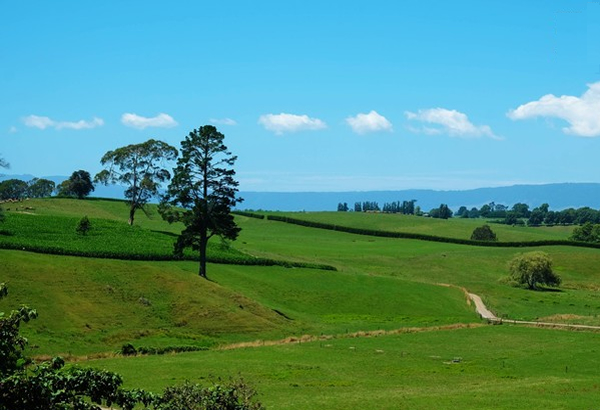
point(558, 196)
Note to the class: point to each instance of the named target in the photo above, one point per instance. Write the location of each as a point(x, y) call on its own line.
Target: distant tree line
point(518, 214)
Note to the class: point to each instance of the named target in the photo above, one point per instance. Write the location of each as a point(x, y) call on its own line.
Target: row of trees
point(17, 189)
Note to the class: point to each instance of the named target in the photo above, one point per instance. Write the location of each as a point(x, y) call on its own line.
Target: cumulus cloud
point(451, 122)
point(582, 113)
point(40, 122)
point(222, 121)
point(282, 123)
point(371, 122)
point(162, 120)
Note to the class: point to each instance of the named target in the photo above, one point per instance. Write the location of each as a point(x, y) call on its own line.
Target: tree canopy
point(483, 233)
point(203, 185)
point(139, 167)
point(79, 184)
point(533, 268)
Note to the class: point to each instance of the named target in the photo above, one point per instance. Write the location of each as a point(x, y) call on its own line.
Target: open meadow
point(344, 321)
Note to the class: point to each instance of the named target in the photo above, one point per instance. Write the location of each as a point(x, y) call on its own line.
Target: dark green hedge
point(248, 214)
point(432, 238)
point(248, 261)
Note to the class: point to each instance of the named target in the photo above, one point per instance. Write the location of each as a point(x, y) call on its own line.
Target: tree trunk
point(131, 214)
point(203, 243)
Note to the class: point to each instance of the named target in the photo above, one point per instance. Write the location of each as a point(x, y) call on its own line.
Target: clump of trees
point(78, 185)
point(443, 212)
point(25, 385)
point(139, 167)
point(483, 233)
point(16, 189)
point(532, 269)
point(202, 192)
point(588, 232)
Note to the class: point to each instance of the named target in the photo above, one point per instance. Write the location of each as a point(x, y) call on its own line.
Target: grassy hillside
point(453, 228)
point(479, 269)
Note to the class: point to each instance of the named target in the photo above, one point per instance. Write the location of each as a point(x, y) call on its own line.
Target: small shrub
point(84, 226)
point(483, 233)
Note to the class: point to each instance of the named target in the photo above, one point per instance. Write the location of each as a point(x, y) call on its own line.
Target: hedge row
point(432, 238)
point(249, 261)
point(130, 350)
point(248, 214)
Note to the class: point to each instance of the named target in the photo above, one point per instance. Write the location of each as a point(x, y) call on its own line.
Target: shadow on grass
point(171, 234)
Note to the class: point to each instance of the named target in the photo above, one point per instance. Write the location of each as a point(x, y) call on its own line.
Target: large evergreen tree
point(204, 189)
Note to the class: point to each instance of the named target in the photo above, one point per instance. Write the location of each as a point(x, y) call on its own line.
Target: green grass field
point(460, 228)
point(92, 306)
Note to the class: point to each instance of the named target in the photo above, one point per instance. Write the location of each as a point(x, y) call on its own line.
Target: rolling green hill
point(90, 307)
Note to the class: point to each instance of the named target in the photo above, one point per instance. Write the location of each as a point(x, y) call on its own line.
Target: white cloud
point(162, 120)
point(222, 121)
point(451, 122)
point(282, 123)
point(371, 122)
point(582, 113)
point(36, 121)
point(12, 130)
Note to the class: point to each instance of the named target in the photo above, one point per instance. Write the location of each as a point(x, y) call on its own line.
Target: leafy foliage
point(483, 233)
point(533, 268)
point(79, 185)
point(235, 395)
point(40, 188)
point(83, 226)
point(138, 167)
point(588, 232)
point(13, 189)
point(203, 185)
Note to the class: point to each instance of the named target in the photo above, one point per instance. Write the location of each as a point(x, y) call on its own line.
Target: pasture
point(423, 345)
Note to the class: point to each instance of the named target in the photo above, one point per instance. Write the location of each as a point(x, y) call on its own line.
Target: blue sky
point(311, 95)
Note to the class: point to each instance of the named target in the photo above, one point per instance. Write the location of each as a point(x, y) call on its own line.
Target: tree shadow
point(171, 234)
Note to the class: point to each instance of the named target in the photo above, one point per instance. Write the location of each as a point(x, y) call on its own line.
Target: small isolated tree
point(533, 268)
point(483, 233)
point(139, 167)
point(84, 226)
point(79, 184)
point(203, 185)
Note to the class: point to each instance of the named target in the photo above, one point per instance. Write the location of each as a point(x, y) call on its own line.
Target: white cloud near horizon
point(222, 121)
point(451, 122)
point(582, 113)
point(162, 120)
point(282, 123)
point(41, 122)
point(371, 122)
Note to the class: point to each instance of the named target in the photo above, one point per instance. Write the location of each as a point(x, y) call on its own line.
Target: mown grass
point(460, 228)
point(499, 367)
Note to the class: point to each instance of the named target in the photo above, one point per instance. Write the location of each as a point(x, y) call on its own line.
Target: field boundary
point(430, 238)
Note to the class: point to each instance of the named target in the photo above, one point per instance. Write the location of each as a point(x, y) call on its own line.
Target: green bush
point(483, 233)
